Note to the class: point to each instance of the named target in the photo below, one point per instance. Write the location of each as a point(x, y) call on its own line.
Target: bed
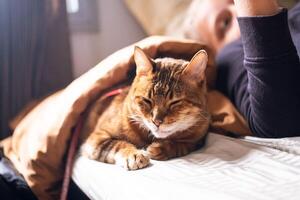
point(226, 168)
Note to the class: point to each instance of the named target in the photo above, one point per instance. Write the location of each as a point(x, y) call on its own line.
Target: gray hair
point(190, 24)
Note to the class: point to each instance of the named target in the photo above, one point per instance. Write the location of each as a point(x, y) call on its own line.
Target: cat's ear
point(197, 66)
point(144, 65)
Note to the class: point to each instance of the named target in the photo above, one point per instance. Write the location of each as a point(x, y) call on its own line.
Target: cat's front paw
point(157, 151)
point(132, 160)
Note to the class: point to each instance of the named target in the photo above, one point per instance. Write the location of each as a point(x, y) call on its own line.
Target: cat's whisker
point(205, 115)
point(138, 121)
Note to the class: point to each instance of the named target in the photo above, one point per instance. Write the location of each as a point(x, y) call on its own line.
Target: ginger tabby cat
point(162, 115)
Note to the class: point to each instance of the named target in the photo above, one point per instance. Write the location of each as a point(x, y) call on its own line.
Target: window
point(83, 15)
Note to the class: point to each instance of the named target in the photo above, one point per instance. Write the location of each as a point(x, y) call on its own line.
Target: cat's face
point(168, 95)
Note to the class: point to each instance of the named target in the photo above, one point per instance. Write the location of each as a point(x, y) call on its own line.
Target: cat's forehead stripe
point(150, 93)
point(167, 76)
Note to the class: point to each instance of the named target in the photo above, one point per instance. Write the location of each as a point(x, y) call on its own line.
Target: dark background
point(35, 55)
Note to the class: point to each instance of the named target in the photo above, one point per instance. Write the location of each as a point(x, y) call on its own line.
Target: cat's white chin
point(166, 131)
point(157, 132)
point(161, 134)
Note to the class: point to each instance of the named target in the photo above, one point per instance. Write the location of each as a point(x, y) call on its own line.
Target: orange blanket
point(39, 143)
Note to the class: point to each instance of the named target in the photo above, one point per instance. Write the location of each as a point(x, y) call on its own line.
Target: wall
point(117, 29)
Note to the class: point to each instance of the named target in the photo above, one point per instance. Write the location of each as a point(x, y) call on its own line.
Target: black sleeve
point(261, 75)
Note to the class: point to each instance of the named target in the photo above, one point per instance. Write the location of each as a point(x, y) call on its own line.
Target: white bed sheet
point(226, 168)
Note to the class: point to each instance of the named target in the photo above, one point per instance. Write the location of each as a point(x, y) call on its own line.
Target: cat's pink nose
point(157, 122)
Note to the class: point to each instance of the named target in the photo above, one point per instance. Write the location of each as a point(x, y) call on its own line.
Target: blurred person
point(212, 22)
point(256, 44)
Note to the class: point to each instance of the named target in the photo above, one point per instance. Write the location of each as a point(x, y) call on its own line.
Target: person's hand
point(248, 8)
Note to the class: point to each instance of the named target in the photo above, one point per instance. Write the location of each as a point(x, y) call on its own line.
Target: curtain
point(35, 57)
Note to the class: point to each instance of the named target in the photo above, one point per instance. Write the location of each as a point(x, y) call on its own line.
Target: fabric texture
point(12, 182)
point(38, 145)
point(226, 169)
point(260, 73)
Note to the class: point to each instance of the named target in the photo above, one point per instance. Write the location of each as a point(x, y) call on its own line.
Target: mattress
point(226, 168)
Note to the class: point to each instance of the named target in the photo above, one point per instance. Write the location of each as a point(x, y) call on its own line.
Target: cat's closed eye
point(143, 102)
point(175, 104)
point(147, 101)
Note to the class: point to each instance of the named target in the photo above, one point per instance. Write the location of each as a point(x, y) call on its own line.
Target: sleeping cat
point(162, 115)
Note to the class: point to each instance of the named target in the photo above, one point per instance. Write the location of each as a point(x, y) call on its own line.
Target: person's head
point(212, 22)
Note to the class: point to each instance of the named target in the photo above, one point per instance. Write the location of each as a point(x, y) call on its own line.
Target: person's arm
point(267, 91)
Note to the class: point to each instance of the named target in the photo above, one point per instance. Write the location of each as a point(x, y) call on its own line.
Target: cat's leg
point(102, 147)
point(165, 149)
point(129, 157)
